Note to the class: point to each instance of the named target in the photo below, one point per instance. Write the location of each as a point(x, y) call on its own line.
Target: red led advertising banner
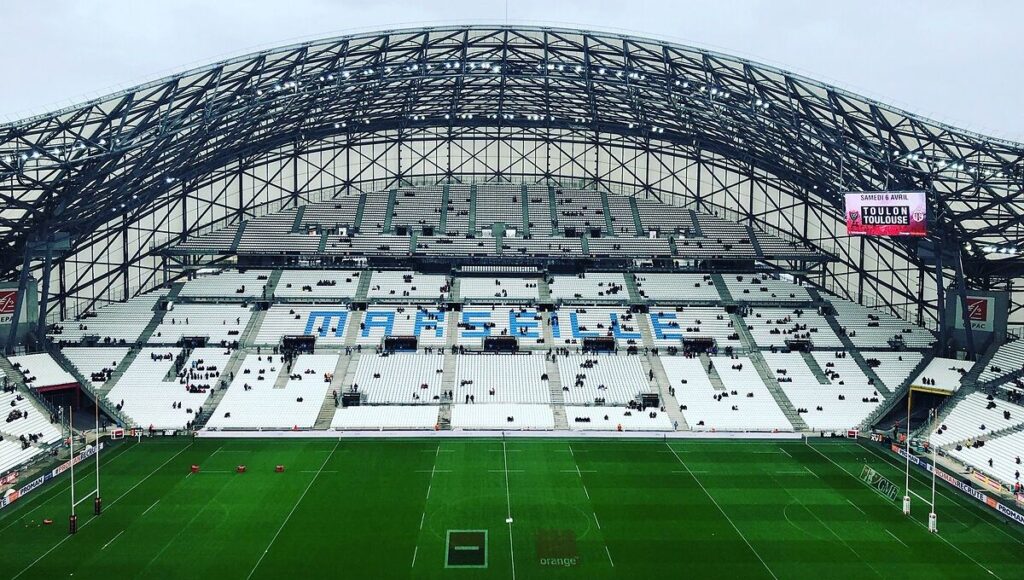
point(887, 213)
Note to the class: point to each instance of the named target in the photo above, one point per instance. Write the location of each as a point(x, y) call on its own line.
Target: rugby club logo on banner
point(8, 298)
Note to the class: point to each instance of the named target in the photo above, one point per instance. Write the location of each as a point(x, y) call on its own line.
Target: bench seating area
point(971, 418)
point(707, 408)
point(266, 394)
point(149, 389)
point(386, 417)
point(616, 419)
point(220, 323)
point(399, 378)
point(233, 284)
point(502, 379)
point(118, 323)
point(503, 417)
point(601, 379)
point(1004, 451)
point(41, 371)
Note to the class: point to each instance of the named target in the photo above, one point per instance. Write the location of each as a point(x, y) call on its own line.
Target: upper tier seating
point(387, 417)
point(602, 379)
point(220, 323)
point(317, 285)
point(774, 326)
point(630, 247)
point(416, 208)
point(763, 288)
point(234, 284)
point(1006, 453)
point(372, 245)
point(975, 416)
point(669, 219)
point(405, 285)
point(447, 246)
point(744, 405)
point(501, 379)
point(1007, 359)
point(539, 245)
point(145, 394)
point(255, 400)
point(870, 328)
point(894, 367)
point(499, 290)
point(622, 216)
point(843, 404)
point(41, 371)
point(616, 419)
point(499, 203)
point(272, 234)
point(117, 322)
point(375, 211)
point(589, 287)
point(677, 287)
point(331, 214)
point(402, 378)
point(579, 209)
point(215, 242)
point(503, 417)
point(459, 201)
point(97, 363)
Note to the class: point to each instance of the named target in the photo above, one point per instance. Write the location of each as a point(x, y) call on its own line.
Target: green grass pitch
point(487, 508)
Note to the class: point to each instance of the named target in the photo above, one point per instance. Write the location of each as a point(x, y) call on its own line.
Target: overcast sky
point(957, 62)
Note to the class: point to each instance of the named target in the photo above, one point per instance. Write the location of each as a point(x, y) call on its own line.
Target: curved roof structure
point(154, 164)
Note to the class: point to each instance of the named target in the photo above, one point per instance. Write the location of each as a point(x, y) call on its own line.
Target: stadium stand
point(399, 378)
point(501, 379)
point(386, 417)
point(589, 287)
point(405, 285)
point(118, 323)
point(218, 323)
point(617, 419)
point(601, 379)
point(42, 372)
point(976, 416)
point(226, 284)
point(741, 401)
point(162, 389)
point(271, 392)
point(755, 288)
point(503, 417)
point(96, 364)
point(677, 287)
point(1004, 452)
point(840, 403)
point(499, 290)
point(317, 285)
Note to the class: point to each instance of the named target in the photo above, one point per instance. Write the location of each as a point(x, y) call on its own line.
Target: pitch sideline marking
point(294, 507)
point(856, 506)
point(150, 507)
point(745, 540)
point(508, 501)
point(954, 546)
point(112, 540)
point(897, 538)
point(91, 520)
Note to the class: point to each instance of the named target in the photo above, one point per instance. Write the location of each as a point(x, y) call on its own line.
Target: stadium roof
point(75, 169)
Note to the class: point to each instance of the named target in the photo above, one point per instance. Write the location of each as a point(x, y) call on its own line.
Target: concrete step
point(449, 363)
point(444, 417)
point(552, 211)
point(652, 364)
point(634, 292)
point(609, 227)
point(390, 211)
point(270, 288)
point(217, 393)
point(739, 324)
point(472, 209)
point(788, 409)
point(637, 224)
point(696, 224)
point(753, 241)
point(557, 394)
point(248, 335)
point(812, 364)
point(442, 223)
point(158, 315)
point(297, 224)
point(238, 236)
point(365, 279)
point(524, 198)
point(355, 319)
point(712, 372)
point(723, 290)
point(357, 223)
point(330, 405)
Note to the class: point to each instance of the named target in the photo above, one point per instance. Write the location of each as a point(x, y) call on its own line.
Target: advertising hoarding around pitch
point(887, 213)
